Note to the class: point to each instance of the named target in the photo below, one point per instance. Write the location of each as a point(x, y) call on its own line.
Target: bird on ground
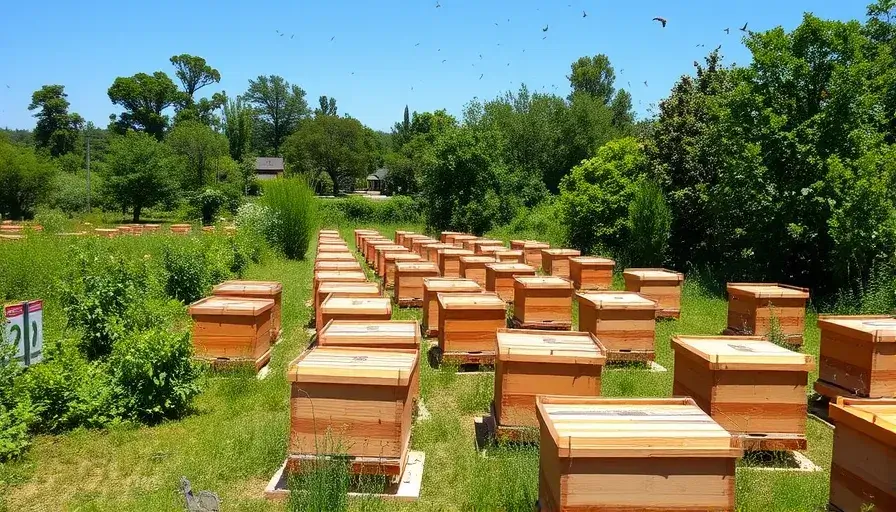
point(545, 29)
point(744, 28)
point(203, 501)
point(584, 14)
point(661, 20)
point(727, 30)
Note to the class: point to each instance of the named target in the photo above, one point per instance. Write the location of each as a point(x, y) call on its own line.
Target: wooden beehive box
point(209, 229)
point(468, 322)
point(335, 256)
point(499, 278)
point(509, 256)
point(379, 251)
point(152, 228)
point(337, 265)
point(370, 253)
point(490, 250)
point(447, 237)
point(659, 284)
point(419, 246)
point(625, 322)
point(339, 276)
point(354, 308)
point(753, 388)
point(473, 267)
point(461, 240)
point(627, 454)
point(181, 229)
point(365, 238)
point(232, 329)
point(399, 236)
point(106, 233)
point(409, 281)
point(863, 468)
point(12, 228)
point(432, 287)
point(530, 363)
point(355, 290)
point(478, 245)
point(519, 244)
point(591, 272)
point(332, 247)
point(256, 289)
point(449, 261)
point(753, 306)
point(394, 334)
point(408, 240)
point(393, 259)
point(432, 251)
point(555, 262)
point(359, 232)
point(354, 402)
point(328, 232)
point(532, 252)
point(125, 230)
point(542, 302)
point(857, 357)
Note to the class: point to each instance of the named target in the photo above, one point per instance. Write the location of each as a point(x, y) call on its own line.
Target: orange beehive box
point(447, 237)
point(408, 240)
point(399, 236)
point(490, 250)
point(449, 261)
point(659, 284)
point(125, 230)
point(337, 265)
point(409, 281)
point(392, 259)
point(370, 252)
point(753, 388)
point(11, 228)
point(627, 454)
point(335, 256)
point(519, 244)
point(591, 272)
point(152, 228)
point(400, 334)
point(354, 290)
point(625, 322)
point(432, 251)
point(531, 363)
point(232, 328)
point(499, 278)
point(857, 357)
point(555, 262)
point(331, 246)
point(382, 251)
point(181, 229)
point(473, 267)
point(468, 322)
point(752, 306)
point(364, 238)
point(378, 253)
point(256, 289)
point(106, 233)
point(461, 240)
point(862, 468)
point(351, 308)
point(478, 245)
point(330, 239)
point(336, 276)
point(542, 302)
point(432, 287)
point(334, 232)
point(532, 252)
point(11, 238)
point(359, 232)
point(420, 245)
point(509, 256)
point(355, 402)
point(208, 229)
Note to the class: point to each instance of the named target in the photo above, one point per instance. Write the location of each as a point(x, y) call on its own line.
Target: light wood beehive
point(432, 287)
point(447, 237)
point(335, 276)
point(857, 356)
point(449, 261)
point(352, 265)
point(625, 322)
point(420, 246)
point(555, 262)
point(392, 259)
point(542, 301)
point(468, 322)
point(359, 232)
point(379, 257)
point(256, 289)
point(232, 328)
point(432, 251)
point(532, 252)
point(354, 308)
point(370, 252)
point(477, 246)
point(473, 267)
point(409, 281)
point(499, 277)
point(753, 308)
point(659, 284)
point(408, 240)
point(400, 334)
point(332, 246)
point(354, 290)
point(509, 256)
point(335, 256)
point(591, 272)
point(399, 236)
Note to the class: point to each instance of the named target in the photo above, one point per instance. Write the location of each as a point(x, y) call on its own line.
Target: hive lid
point(463, 238)
point(248, 288)
point(872, 328)
point(743, 353)
point(535, 244)
point(401, 232)
point(471, 301)
point(361, 332)
point(392, 248)
point(368, 231)
point(549, 347)
point(335, 256)
point(337, 265)
point(344, 275)
point(416, 266)
point(477, 259)
point(631, 427)
point(232, 306)
point(562, 252)
point(594, 261)
point(357, 305)
point(769, 290)
point(616, 300)
point(543, 282)
point(508, 252)
point(398, 256)
point(414, 236)
point(450, 284)
point(873, 417)
point(654, 274)
point(332, 245)
point(380, 241)
point(488, 241)
point(351, 365)
point(440, 246)
point(456, 251)
point(347, 289)
point(510, 267)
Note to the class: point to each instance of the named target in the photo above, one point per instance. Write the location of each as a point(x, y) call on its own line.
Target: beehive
point(449, 261)
point(359, 232)
point(555, 262)
point(352, 308)
point(755, 389)
point(432, 251)
point(337, 276)
point(532, 252)
point(752, 306)
point(658, 284)
point(354, 290)
point(11, 228)
point(519, 244)
point(864, 458)
point(490, 250)
point(499, 278)
point(408, 240)
point(125, 230)
point(332, 246)
point(333, 232)
point(857, 356)
point(542, 302)
point(461, 240)
point(447, 237)
point(394, 334)
point(632, 454)
point(106, 233)
point(354, 402)
point(473, 267)
point(478, 245)
point(433, 286)
point(379, 251)
point(337, 265)
point(509, 256)
point(399, 236)
point(625, 322)
point(181, 229)
point(370, 252)
point(393, 259)
point(468, 322)
point(256, 289)
point(208, 229)
point(419, 245)
point(365, 239)
point(591, 272)
point(152, 228)
point(409, 281)
point(530, 363)
point(335, 256)
point(233, 329)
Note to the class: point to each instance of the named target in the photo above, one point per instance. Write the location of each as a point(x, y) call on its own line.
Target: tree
point(138, 173)
point(199, 148)
point(594, 76)
point(194, 74)
point(623, 116)
point(238, 121)
point(56, 130)
point(341, 147)
point(144, 98)
point(24, 180)
point(401, 132)
point(279, 107)
point(327, 107)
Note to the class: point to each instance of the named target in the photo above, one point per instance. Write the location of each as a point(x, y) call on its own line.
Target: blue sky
point(86, 45)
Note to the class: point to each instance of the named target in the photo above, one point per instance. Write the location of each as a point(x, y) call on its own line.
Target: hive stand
point(625, 322)
point(555, 262)
point(499, 278)
point(256, 289)
point(432, 287)
point(232, 330)
point(449, 261)
point(753, 306)
point(591, 272)
point(542, 302)
point(409, 282)
point(353, 290)
point(473, 267)
point(857, 357)
point(390, 334)
point(467, 326)
point(657, 284)
point(347, 308)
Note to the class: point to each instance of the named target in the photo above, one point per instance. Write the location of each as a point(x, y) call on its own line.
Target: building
point(268, 168)
point(376, 182)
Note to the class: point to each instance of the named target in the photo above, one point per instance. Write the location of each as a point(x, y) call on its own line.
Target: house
point(268, 168)
point(376, 182)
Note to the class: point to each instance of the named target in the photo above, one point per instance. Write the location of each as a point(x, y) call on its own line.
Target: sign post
point(24, 328)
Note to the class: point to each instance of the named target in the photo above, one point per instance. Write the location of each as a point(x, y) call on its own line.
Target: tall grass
point(650, 223)
point(294, 207)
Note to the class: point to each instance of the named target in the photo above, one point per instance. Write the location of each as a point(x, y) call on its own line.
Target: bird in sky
point(277, 31)
point(331, 39)
point(480, 56)
point(543, 38)
point(744, 28)
point(7, 86)
point(496, 23)
point(439, 50)
point(645, 83)
point(444, 61)
point(292, 36)
point(629, 85)
point(718, 47)
point(438, 4)
point(728, 31)
point(584, 14)
point(418, 44)
point(282, 34)
point(482, 75)
point(545, 29)
point(508, 64)
point(661, 20)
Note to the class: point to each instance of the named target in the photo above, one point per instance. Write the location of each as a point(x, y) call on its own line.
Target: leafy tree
point(56, 130)
point(623, 115)
point(139, 173)
point(143, 98)
point(327, 107)
point(594, 76)
point(649, 222)
point(279, 106)
point(24, 180)
point(413, 139)
point(401, 132)
point(194, 74)
point(238, 127)
point(199, 148)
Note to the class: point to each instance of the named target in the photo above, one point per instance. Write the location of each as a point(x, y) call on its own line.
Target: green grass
point(238, 436)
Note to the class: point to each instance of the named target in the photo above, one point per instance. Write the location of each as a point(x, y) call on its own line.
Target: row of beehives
point(13, 231)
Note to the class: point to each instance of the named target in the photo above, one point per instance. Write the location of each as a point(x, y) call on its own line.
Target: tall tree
point(593, 75)
point(327, 106)
point(279, 107)
point(24, 180)
point(238, 127)
point(623, 116)
point(57, 129)
point(138, 173)
point(194, 74)
point(199, 148)
point(401, 132)
point(144, 99)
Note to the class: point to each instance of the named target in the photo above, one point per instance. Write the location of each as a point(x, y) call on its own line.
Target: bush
point(186, 276)
point(53, 221)
point(209, 202)
point(537, 223)
point(294, 210)
point(25, 180)
point(70, 192)
point(15, 408)
point(357, 209)
point(649, 224)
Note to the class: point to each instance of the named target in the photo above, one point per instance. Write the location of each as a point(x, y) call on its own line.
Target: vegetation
point(139, 173)
point(293, 209)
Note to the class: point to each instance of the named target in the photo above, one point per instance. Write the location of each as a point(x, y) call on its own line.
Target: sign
point(24, 328)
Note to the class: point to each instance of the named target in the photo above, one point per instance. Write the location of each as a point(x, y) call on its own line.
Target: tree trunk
point(335, 177)
point(137, 210)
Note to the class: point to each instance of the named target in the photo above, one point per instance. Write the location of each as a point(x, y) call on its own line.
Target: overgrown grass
point(294, 207)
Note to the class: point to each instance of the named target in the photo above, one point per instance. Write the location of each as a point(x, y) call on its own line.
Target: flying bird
point(508, 64)
point(718, 47)
point(331, 39)
point(727, 30)
point(418, 44)
point(480, 56)
point(438, 4)
point(545, 29)
point(584, 14)
point(645, 83)
point(277, 31)
point(629, 85)
point(444, 61)
point(496, 23)
point(282, 34)
point(543, 38)
point(292, 36)
point(482, 75)
point(744, 28)
point(661, 20)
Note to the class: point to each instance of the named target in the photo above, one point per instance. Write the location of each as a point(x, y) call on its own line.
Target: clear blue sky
point(86, 45)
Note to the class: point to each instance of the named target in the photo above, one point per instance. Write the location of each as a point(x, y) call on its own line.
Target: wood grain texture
point(259, 289)
point(232, 328)
point(473, 267)
point(358, 309)
point(393, 259)
point(658, 284)
point(499, 278)
point(468, 322)
point(409, 281)
point(591, 272)
point(858, 354)
point(449, 261)
point(432, 287)
point(555, 262)
point(389, 334)
point(625, 322)
point(542, 300)
point(754, 307)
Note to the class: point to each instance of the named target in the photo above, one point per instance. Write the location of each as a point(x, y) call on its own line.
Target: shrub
point(649, 224)
point(15, 408)
point(209, 202)
point(25, 180)
point(186, 276)
point(70, 191)
point(53, 221)
point(293, 206)
point(537, 223)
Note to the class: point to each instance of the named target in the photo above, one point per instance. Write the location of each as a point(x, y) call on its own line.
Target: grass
point(238, 436)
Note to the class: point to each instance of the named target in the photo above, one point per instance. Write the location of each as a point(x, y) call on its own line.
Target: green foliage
point(322, 487)
point(16, 413)
point(355, 209)
point(210, 201)
point(56, 130)
point(537, 223)
point(70, 191)
point(238, 127)
point(143, 97)
point(593, 76)
point(278, 107)
point(411, 140)
point(138, 173)
point(186, 272)
point(293, 208)
point(199, 149)
point(24, 179)
point(53, 221)
point(595, 196)
point(649, 224)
